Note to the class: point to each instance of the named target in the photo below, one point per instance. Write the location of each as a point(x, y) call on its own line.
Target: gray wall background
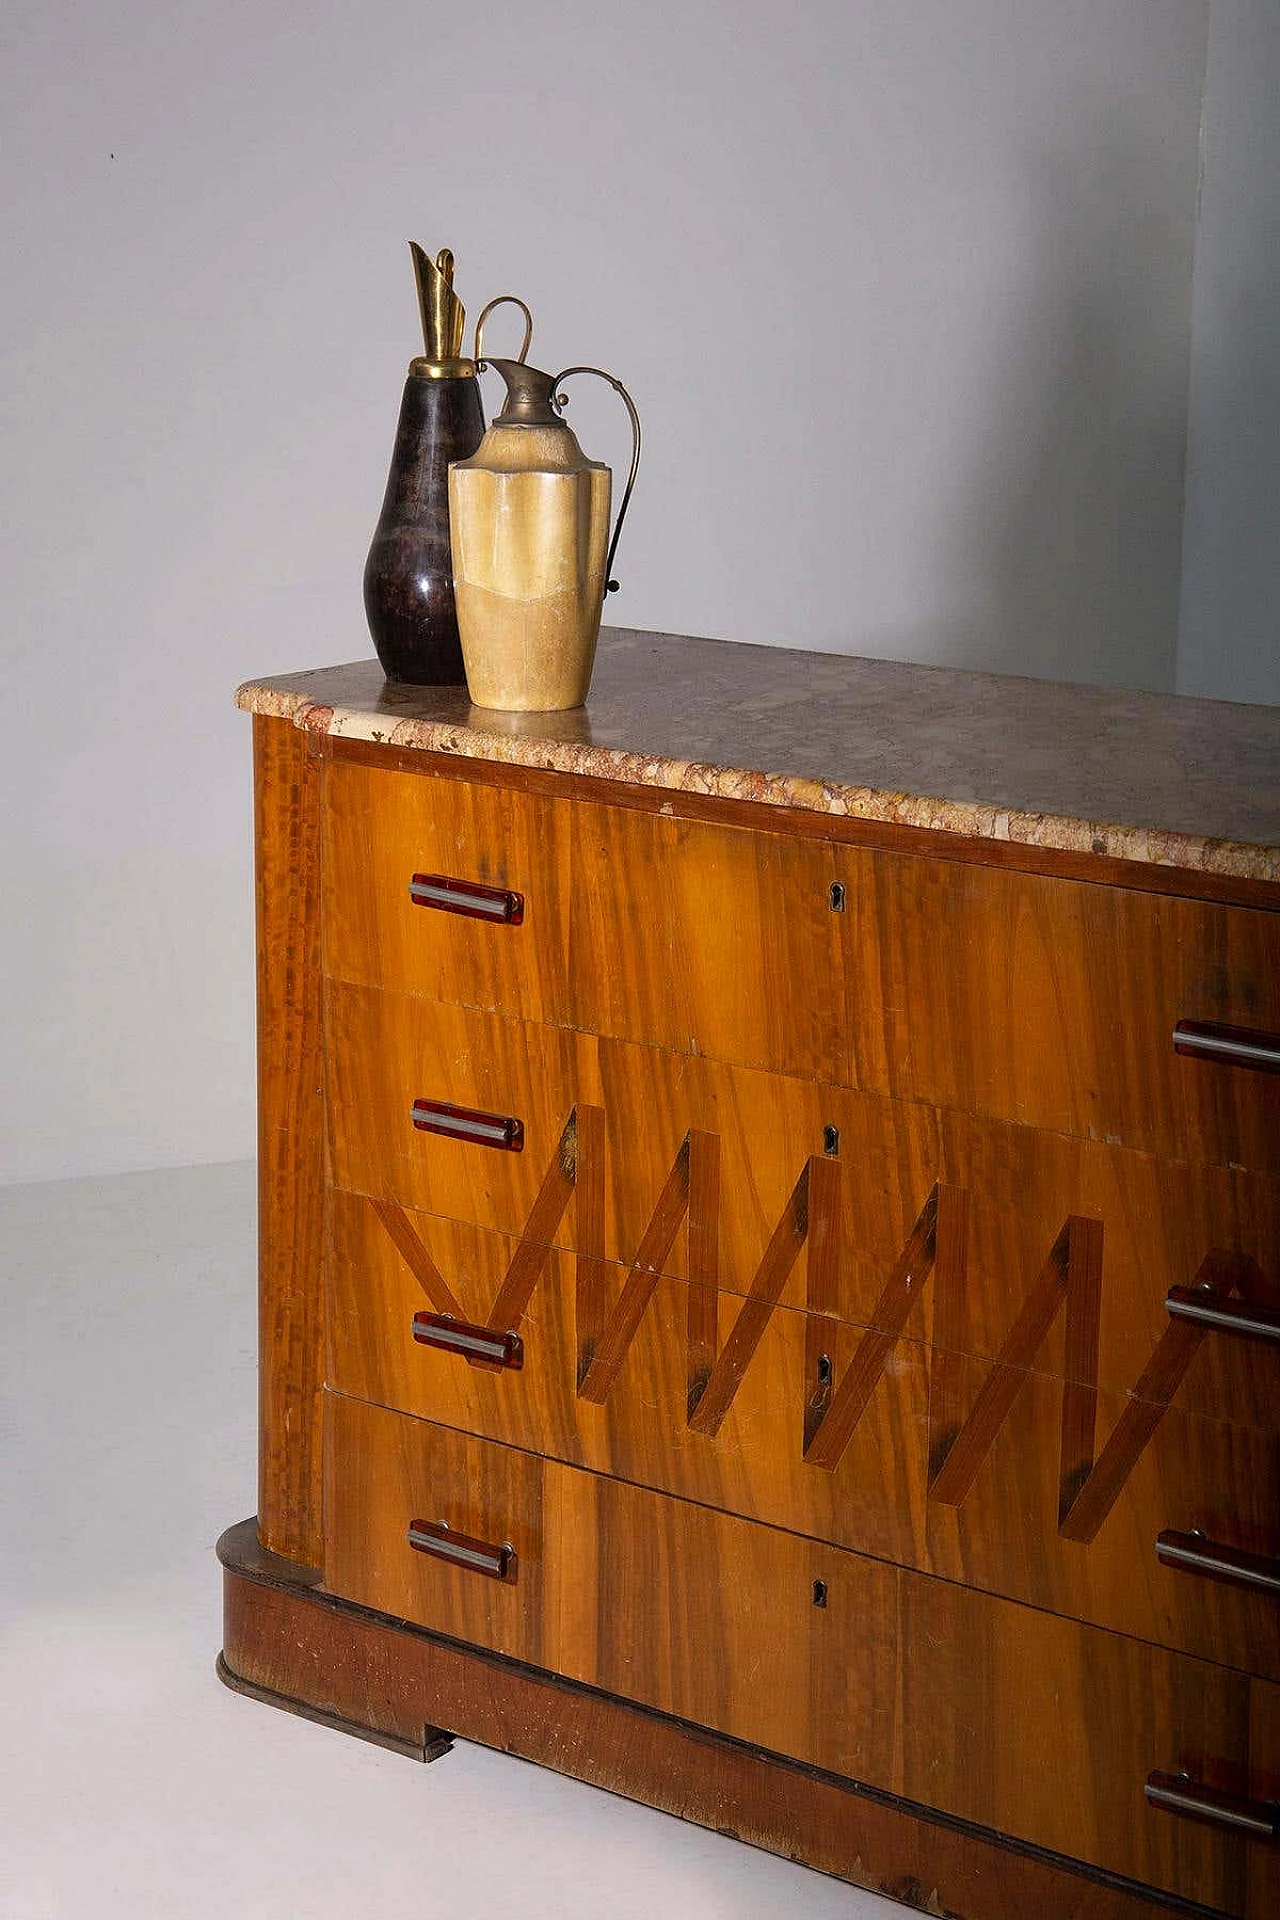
point(1229, 635)
point(903, 289)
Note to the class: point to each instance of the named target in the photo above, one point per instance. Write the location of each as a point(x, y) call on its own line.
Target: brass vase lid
point(444, 318)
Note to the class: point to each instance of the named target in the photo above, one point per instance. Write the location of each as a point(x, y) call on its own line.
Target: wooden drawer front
point(1053, 1003)
point(1047, 1002)
point(635, 925)
point(943, 1225)
point(952, 1465)
point(622, 1145)
point(995, 1713)
point(382, 828)
point(1154, 1226)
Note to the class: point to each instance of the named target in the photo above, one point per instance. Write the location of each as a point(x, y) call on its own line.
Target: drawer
point(499, 940)
point(935, 1472)
point(1047, 1002)
point(941, 1224)
point(618, 1146)
point(1151, 1227)
point(1053, 1003)
point(991, 1712)
point(632, 924)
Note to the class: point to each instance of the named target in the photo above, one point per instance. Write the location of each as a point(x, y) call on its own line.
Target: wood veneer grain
point(617, 1117)
point(1140, 876)
point(1010, 1527)
point(919, 1687)
point(635, 925)
point(290, 1139)
point(1052, 1003)
point(289, 1640)
point(1036, 999)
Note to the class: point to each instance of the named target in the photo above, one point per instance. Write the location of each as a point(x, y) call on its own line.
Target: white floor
point(131, 1781)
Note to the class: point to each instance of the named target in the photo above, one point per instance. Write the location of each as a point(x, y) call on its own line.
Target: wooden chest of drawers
point(788, 1300)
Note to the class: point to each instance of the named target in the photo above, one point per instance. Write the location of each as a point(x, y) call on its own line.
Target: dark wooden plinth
point(288, 1642)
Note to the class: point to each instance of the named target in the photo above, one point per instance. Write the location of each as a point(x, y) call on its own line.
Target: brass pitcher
point(532, 557)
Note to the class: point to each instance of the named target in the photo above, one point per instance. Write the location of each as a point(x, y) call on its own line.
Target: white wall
point(902, 288)
point(1229, 640)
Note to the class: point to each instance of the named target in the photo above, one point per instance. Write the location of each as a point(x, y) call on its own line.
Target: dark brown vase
point(408, 577)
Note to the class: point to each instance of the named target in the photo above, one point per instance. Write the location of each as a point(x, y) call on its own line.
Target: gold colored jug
point(529, 528)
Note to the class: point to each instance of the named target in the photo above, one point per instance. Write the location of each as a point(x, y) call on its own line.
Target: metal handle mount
point(1223, 1313)
point(437, 1538)
point(477, 1344)
point(465, 1123)
point(561, 401)
point(1179, 1793)
point(1193, 1553)
point(467, 897)
point(1232, 1046)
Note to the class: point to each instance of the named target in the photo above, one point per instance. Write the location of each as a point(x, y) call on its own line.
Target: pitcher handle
point(503, 300)
point(561, 400)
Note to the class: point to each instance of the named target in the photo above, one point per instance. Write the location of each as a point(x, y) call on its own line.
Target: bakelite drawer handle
point(474, 1343)
point(464, 1123)
point(1192, 1553)
point(1179, 1793)
point(1234, 1046)
point(1247, 1318)
point(460, 1550)
point(467, 897)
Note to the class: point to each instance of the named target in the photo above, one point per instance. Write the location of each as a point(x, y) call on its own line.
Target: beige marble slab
point(1185, 783)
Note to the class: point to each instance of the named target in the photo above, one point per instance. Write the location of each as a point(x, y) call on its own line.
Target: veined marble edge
point(972, 819)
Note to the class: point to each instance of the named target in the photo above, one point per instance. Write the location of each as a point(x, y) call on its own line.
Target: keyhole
point(831, 1141)
point(819, 1593)
point(836, 896)
point(824, 1369)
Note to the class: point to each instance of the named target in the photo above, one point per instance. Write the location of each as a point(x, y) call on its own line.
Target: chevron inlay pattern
point(959, 1441)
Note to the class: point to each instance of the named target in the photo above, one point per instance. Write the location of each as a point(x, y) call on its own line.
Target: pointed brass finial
point(444, 317)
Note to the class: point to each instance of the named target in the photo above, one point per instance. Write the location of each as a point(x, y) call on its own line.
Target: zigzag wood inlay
point(592, 1267)
point(950, 1324)
point(762, 1297)
point(704, 1265)
point(655, 1245)
point(530, 1257)
point(1147, 1404)
point(1073, 1272)
point(849, 1401)
point(416, 1257)
point(958, 1448)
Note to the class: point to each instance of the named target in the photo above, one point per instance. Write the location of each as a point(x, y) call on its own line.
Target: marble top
point(1139, 776)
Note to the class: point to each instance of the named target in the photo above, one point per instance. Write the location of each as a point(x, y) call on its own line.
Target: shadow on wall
point(1068, 523)
point(1229, 636)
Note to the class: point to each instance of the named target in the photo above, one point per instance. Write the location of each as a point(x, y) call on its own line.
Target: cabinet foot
point(433, 1743)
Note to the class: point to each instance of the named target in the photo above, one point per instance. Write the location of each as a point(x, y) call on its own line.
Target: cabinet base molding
point(291, 1644)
